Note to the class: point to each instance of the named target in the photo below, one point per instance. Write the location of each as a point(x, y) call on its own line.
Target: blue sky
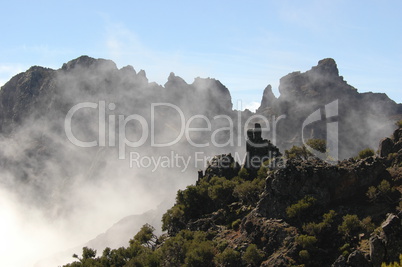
point(245, 44)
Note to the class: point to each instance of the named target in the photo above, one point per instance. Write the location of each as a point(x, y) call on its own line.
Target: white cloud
point(252, 106)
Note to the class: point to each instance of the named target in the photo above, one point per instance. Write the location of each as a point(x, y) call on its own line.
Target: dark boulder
point(357, 259)
point(386, 147)
point(387, 246)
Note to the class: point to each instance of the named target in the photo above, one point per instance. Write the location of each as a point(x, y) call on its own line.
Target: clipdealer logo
point(148, 130)
point(330, 115)
point(107, 135)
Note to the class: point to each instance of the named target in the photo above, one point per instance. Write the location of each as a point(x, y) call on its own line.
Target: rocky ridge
point(341, 189)
point(303, 93)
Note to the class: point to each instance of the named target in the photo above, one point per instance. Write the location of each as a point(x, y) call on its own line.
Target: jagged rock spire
point(268, 98)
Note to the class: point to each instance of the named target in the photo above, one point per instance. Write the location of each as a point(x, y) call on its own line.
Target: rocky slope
point(339, 192)
point(342, 188)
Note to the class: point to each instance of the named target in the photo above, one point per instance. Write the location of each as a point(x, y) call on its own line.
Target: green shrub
point(345, 249)
point(145, 236)
point(248, 192)
point(229, 257)
point(328, 218)
point(295, 210)
point(372, 193)
point(306, 241)
point(316, 228)
point(365, 153)
point(297, 152)
point(367, 224)
point(384, 187)
point(317, 144)
point(221, 245)
point(313, 228)
point(88, 253)
point(253, 255)
point(220, 191)
point(304, 255)
point(197, 200)
point(301, 152)
point(262, 173)
point(350, 225)
point(187, 247)
point(243, 174)
point(174, 220)
point(144, 259)
point(200, 254)
point(382, 192)
point(236, 224)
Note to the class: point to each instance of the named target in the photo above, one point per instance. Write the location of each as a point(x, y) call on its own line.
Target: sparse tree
point(145, 236)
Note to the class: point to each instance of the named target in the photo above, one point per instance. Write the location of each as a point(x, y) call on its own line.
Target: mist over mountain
point(362, 117)
point(102, 183)
point(34, 105)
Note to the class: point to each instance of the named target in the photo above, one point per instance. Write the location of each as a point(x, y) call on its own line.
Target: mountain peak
point(326, 66)
point(88, 62)
point(268, 98)
point(175, 81)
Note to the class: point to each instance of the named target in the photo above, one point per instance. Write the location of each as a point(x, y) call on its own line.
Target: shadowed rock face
point(391, 147)
point(387, 246)
point(328, 184)
point(341, 187)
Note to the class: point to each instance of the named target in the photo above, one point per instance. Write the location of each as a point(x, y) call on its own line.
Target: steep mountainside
point(309, 213)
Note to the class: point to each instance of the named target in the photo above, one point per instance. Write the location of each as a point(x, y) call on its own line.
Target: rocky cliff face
point(328, 184)
point(268, 100)
point(22, 94)
point(390, 147)
point(363, 118)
